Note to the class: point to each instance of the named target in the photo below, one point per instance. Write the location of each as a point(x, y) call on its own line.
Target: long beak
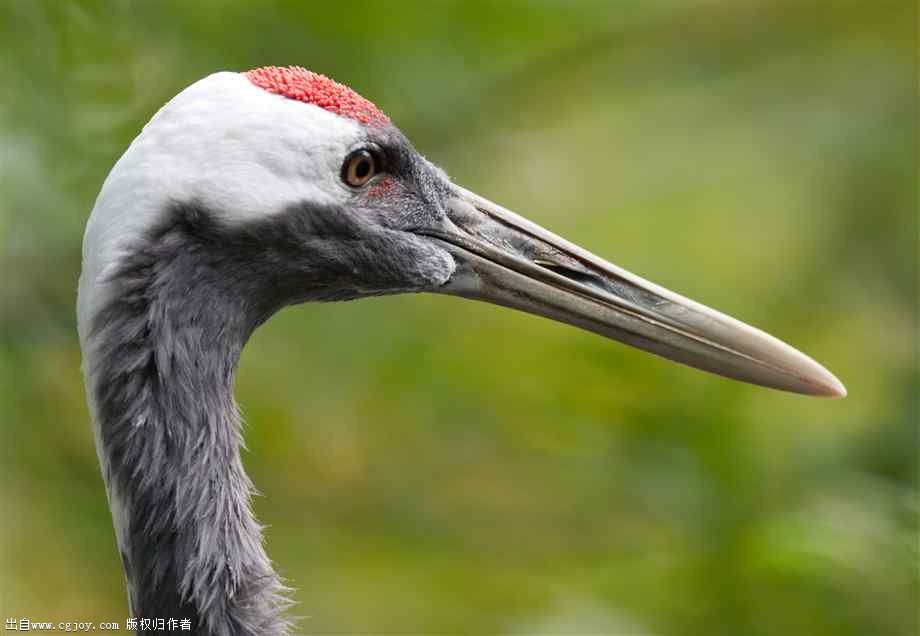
point(507, 260)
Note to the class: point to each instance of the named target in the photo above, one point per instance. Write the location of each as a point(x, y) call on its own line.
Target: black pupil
point(363, 168)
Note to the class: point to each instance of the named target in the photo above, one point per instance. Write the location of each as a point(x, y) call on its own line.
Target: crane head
point(295, 188)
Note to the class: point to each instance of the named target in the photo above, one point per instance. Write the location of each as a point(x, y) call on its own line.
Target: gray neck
point(161, 358)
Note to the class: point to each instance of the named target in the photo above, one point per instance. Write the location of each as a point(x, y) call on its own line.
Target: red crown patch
point(295, 82)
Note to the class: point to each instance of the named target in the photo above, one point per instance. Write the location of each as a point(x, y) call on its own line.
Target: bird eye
point(359, 167)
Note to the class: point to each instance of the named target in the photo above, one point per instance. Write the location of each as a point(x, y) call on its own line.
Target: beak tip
point(837, 390)
point(828, 386)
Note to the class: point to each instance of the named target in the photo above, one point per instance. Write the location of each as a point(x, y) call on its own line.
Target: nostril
point(578, 276)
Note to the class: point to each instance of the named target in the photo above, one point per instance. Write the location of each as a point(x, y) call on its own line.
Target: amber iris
point(359, 167)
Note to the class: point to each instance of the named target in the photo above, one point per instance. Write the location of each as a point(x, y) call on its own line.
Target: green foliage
point(434, 465)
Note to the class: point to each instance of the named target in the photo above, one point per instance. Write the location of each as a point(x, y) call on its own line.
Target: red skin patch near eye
point(382, 188)
point(295, 82)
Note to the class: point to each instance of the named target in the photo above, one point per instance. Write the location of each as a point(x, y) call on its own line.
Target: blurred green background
point(435, 465)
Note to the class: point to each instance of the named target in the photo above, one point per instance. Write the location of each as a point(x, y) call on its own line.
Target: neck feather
point(161, 362)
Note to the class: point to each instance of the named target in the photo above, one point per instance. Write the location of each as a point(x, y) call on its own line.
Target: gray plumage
point(185, 300)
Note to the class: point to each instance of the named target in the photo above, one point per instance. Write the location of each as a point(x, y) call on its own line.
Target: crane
point(248, 192)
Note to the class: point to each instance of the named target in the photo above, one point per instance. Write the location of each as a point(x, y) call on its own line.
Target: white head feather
point(224, 141)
